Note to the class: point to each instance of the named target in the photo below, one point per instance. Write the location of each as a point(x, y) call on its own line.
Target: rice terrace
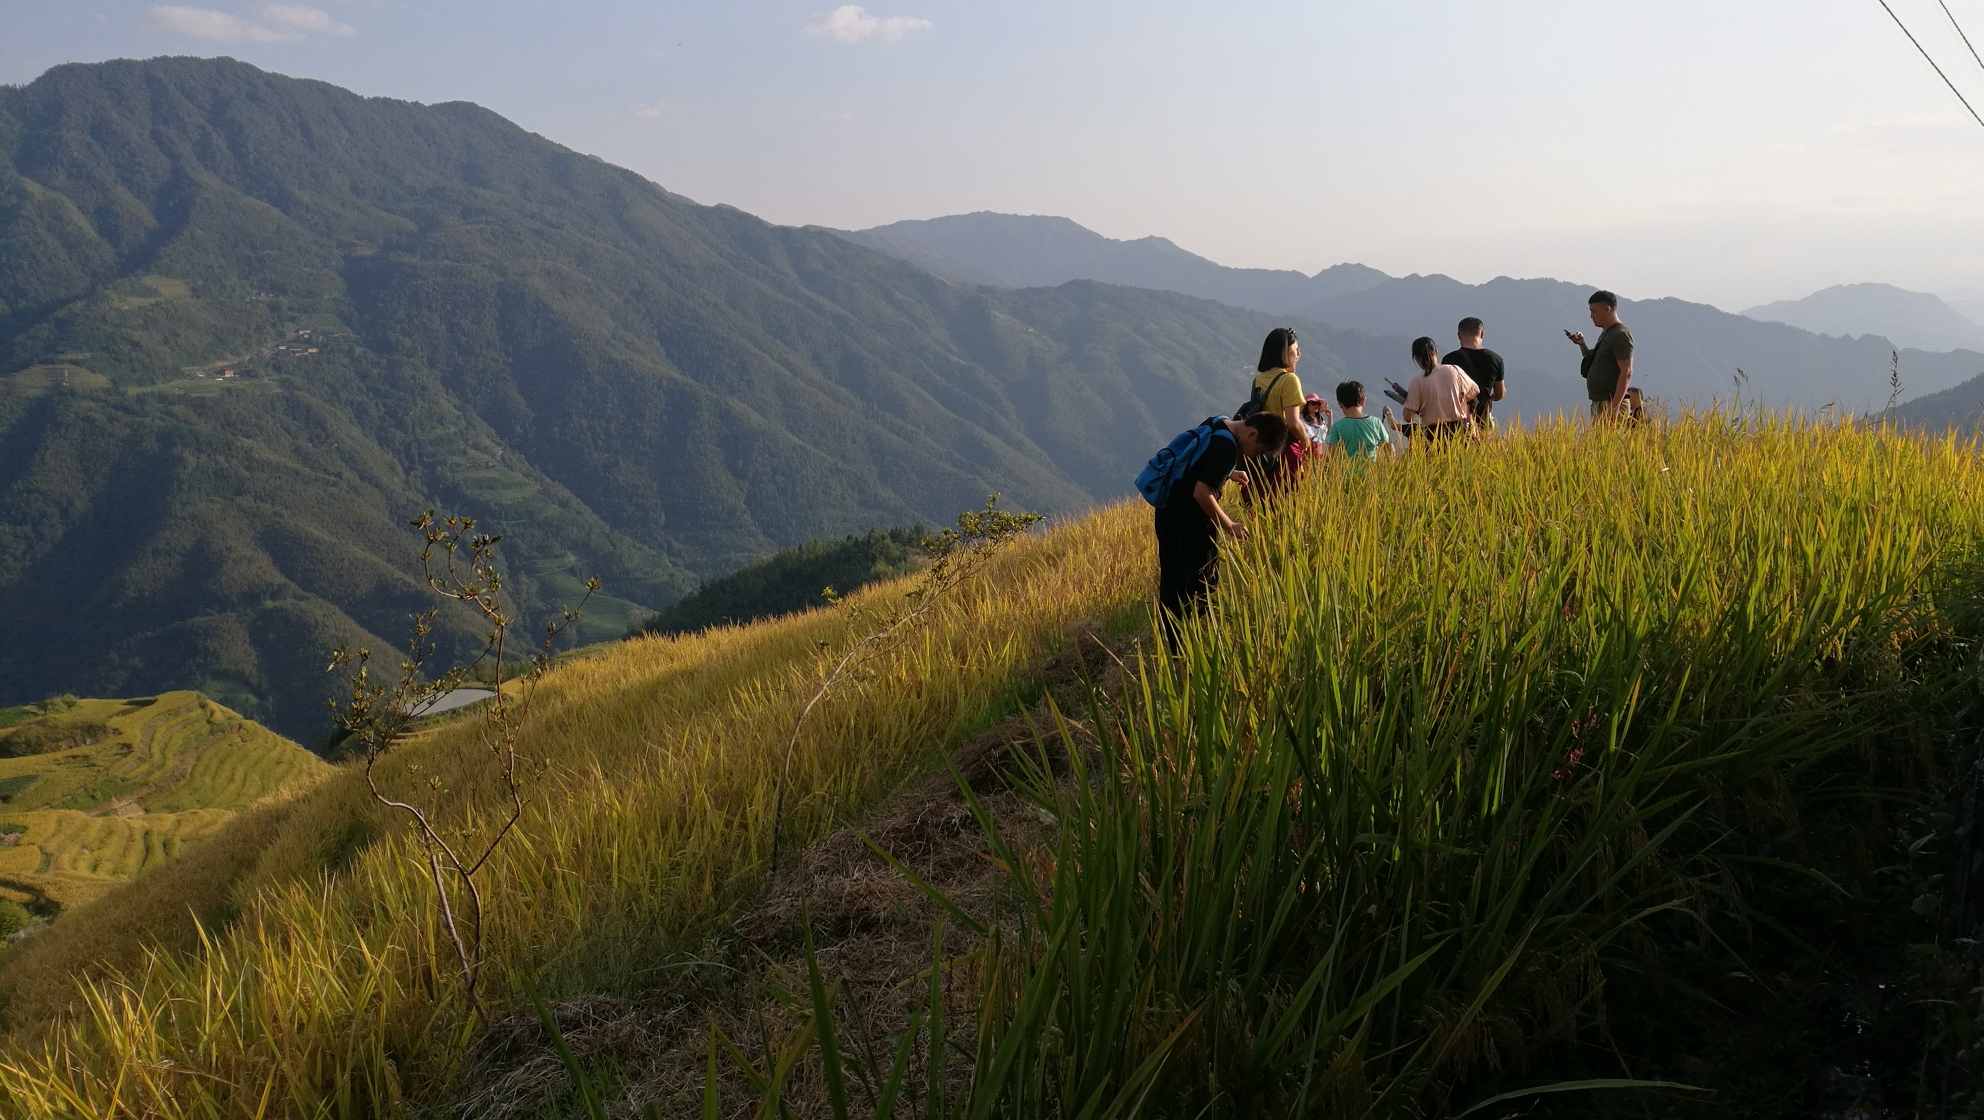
point(756, 615)
point(94, 791)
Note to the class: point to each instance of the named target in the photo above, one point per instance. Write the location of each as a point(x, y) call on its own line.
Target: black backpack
point(1258, 399)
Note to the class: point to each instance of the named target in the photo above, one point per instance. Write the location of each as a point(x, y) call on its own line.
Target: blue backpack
point(1174, 459)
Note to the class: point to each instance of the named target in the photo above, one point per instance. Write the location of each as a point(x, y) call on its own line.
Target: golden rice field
point(1468, 741)
point(166, 773)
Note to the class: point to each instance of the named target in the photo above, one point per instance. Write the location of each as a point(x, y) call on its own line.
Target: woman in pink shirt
point(1440, 396)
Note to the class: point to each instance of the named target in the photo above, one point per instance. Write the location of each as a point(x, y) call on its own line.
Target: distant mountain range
point(1687, 350)
point(1968, 303)
point(1033, 252)
point(250, 325)
point(1914, 319)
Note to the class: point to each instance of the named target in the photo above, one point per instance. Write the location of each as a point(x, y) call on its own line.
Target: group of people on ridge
point(1265, 445)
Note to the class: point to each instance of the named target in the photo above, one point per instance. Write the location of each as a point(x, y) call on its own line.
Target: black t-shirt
point(1484, 366)
point(1214, 464)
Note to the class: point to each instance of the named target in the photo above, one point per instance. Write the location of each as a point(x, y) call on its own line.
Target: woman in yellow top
point(1278, 391)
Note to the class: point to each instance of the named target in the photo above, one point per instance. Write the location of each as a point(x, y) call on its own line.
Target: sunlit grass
point(1460, 739)
point(651, 819)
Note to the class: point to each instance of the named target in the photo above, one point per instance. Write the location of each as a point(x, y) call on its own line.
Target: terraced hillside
point(94, 791)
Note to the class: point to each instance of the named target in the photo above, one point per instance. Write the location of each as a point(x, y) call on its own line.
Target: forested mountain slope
point(193, 494)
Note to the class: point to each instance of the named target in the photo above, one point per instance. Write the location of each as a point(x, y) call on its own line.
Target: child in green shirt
point(1359, 436)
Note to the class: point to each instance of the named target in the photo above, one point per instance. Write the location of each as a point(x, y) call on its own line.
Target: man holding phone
point(1607, 368)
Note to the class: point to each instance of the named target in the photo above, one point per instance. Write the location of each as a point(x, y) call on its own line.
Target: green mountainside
point(196, 493)
point(794, 579)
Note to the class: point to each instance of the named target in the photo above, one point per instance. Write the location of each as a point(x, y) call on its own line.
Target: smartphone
point(1568, 334)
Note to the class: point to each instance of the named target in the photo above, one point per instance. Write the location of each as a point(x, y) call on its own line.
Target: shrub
point(47, 735)
point(13, 918)
point(793, 580)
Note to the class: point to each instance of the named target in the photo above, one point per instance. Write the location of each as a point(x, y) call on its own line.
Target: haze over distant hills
point(193, 494)
point(1686, 350)
point(1913, 319)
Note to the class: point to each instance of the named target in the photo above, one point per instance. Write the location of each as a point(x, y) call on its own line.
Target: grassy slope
point(649, 823)
point(173, 770)
point(1557, 689)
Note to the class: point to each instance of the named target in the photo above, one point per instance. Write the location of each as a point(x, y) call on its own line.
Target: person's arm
point(1497, 394)
point(1209, 501)
point(1297, 434)
point(1625, 378)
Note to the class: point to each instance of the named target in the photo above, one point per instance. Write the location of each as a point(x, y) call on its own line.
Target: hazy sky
point(1733, 151)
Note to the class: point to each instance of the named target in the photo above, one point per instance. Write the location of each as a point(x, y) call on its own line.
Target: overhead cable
point(1960, 34)
point(1931, 61)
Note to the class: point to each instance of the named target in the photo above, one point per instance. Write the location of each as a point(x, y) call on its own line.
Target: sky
point(1728, 151)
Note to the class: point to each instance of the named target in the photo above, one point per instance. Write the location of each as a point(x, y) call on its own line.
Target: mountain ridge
point(619, 381)
point(1029, 251)
point(1688, 351)
point(1916, 320)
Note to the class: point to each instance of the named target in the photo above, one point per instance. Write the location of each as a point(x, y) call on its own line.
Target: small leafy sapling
point(458, 564)
point(956, 554)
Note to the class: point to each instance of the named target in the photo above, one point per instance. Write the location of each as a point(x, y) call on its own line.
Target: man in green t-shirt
point(1608, 365)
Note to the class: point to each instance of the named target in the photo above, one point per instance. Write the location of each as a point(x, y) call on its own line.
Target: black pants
point(1187, 566)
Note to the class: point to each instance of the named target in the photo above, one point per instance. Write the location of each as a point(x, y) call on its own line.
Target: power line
point(1929, 60)
point(1960, 34)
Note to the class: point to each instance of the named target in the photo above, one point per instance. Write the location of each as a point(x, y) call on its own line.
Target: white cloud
point(282, 23)
point(205, 23)
point(310, 21)
point(654, 110)
point(851, 23)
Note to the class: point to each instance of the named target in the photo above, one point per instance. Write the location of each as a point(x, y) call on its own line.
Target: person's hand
point(1241, 478)
point(1576, 337)
point(1236, 530)
point(1387, 412)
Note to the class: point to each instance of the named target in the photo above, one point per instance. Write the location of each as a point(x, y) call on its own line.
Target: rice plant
point(1454, 744)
